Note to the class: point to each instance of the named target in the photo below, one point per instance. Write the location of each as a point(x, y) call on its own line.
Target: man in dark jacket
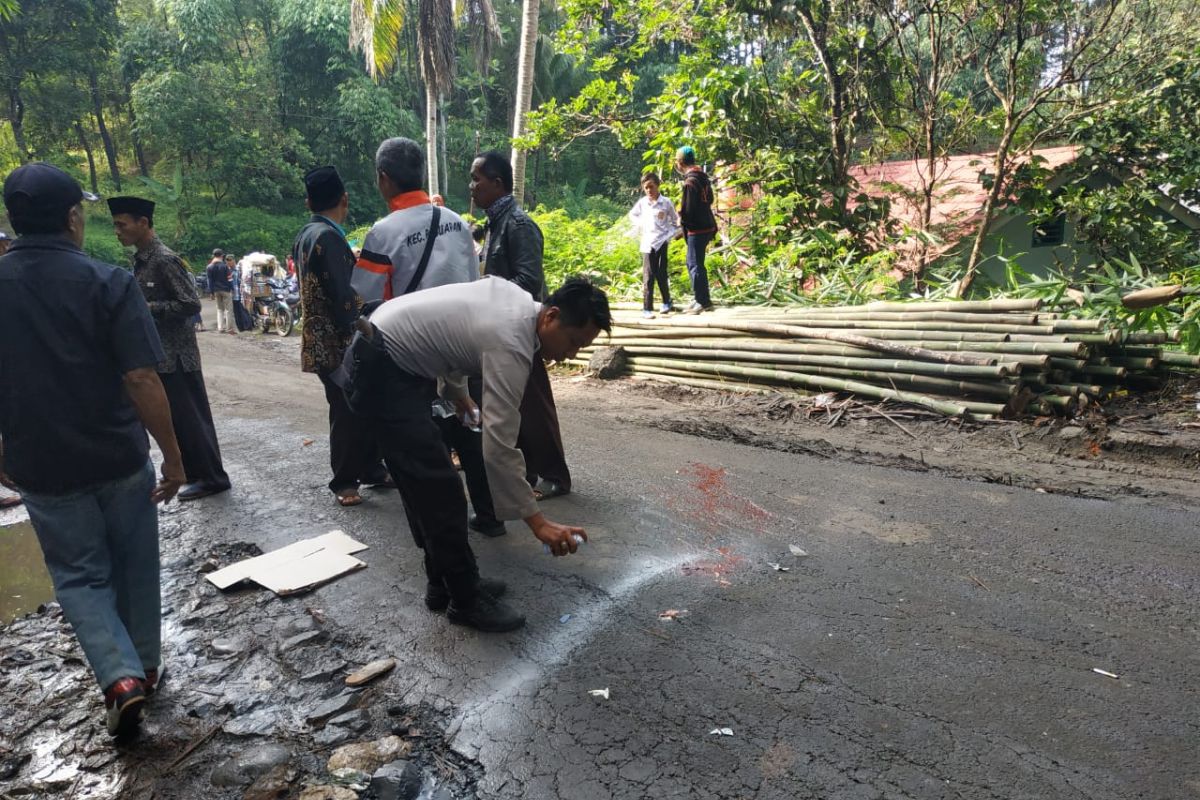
point(699, 225)
point(329, 306)
point(220, 286)
point(170, 292)
point(78, 351)
point(514, 252)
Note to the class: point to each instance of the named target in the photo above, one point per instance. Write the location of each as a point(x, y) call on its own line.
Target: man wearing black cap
point(171, 293)
point(78, 350)
point(329, 307)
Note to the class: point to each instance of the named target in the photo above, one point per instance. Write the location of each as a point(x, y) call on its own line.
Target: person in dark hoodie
point(699, 225)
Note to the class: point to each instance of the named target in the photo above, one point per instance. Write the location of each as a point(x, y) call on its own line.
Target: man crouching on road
point(491, 329)
point(78, 392)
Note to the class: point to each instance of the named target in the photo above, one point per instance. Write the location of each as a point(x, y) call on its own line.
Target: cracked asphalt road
point(938, 641)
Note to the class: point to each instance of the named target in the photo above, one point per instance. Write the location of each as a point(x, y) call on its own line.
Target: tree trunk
point(431, 152)
point(138, 151)
point(87, 148)
point(110, 150)
point(529, 32)
point(445, 162)
point(16, 117)
point(999, 164)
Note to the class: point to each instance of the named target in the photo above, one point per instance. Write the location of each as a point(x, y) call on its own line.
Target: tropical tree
point(525, 62)
point(375, 29)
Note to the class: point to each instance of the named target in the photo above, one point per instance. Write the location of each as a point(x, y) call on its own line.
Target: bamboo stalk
point(1176, 358)
point(702, 383)
point(1067, 363)
point(1135, 363)
point(916, 353)
point(1000, 370)
point(1077, 325)
point(955, 408)
point(801, 318)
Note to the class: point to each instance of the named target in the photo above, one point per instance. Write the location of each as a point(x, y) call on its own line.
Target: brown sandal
point(349, 499)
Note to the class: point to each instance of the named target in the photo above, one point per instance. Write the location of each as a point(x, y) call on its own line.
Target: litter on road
point(564, 619)
point(778, 567)
point(721, 732)
point(371, 671)
point(1104, 672)
point(599, 692)
point(797, 552)
point(297, 567)
point(672, 613)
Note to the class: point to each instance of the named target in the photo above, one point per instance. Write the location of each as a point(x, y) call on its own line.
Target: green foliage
point(101, 243)
point(239, 231)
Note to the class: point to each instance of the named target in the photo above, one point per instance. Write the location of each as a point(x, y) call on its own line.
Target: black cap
point(40, 189)
point(324, 188)
point(218, 253)
point(133, 206)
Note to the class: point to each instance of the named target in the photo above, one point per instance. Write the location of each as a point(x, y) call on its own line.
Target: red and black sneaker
point(123, 703)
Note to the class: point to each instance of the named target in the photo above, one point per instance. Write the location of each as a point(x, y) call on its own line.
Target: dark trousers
point(353, 451)
point(697, 243)
point(654, 270)
point(539, 438)
point(417, 458)
point(469, 446)
point(193, 422)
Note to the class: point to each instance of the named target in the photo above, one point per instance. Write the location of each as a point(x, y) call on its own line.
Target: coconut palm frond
point(485, 31)
point(435, 43)
point(375, 27)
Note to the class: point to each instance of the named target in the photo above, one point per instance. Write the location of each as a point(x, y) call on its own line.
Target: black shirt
point(70, 328)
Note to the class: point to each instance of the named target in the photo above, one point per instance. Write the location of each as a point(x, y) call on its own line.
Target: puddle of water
point(24, 582)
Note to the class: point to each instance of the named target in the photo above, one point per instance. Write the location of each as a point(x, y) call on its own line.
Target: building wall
point(1015, 241)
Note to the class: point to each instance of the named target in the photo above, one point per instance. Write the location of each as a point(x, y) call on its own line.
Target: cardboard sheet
point(296, 567)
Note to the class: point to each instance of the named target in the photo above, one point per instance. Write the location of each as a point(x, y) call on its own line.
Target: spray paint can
point(578, 540)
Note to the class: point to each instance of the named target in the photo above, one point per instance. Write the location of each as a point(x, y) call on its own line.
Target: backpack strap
point(424, 263)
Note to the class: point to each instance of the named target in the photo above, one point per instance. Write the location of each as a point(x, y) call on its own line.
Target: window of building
point(1050, 232)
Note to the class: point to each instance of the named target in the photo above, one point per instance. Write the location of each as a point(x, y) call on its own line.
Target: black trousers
point(654, 270)
point(193, 423)
point(469, 446)
point(429, 485)
point(539, 438)
point(353, 451)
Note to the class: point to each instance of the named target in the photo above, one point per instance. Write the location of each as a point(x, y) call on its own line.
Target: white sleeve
point(505, 374)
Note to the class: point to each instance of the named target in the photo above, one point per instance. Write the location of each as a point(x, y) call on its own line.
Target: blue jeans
point(101, 548)
point(696, 245)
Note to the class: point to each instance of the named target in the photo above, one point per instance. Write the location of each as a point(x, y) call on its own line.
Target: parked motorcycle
point(274, 308)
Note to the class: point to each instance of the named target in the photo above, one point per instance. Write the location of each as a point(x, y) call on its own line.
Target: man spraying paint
point(495, 330)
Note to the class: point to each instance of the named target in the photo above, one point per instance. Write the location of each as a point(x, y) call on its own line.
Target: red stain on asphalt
point(716, 510)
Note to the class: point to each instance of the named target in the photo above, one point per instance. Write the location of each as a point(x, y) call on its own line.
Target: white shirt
point(484, 328)
point(656, 220)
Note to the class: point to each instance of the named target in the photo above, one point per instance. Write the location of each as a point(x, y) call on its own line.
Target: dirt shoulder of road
point(1138, 446)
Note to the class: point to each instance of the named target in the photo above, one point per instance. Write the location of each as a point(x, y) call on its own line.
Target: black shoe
point(485, 613)
point(491, 528)
point(195, 491)
point(437, 597)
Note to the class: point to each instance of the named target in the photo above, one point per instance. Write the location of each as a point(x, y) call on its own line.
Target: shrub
point(238, 231)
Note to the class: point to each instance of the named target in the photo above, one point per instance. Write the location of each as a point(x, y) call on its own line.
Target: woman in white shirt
point(658, 225)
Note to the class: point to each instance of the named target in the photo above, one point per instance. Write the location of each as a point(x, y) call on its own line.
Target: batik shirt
point(324, 262)
point(170, 291)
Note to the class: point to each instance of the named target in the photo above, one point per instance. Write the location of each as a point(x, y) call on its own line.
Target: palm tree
point(375, 27)
point(529, 37)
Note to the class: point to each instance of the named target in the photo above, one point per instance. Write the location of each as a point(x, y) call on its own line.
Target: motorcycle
point(274, 309)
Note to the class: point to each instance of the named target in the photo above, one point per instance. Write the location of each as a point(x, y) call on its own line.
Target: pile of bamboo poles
point(981, 359)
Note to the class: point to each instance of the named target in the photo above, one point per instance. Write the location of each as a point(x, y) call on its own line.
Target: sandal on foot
point(349, 499)
point(548, 489)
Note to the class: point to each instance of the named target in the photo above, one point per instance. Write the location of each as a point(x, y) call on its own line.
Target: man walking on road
point(78, 350)
point(220, 286)
point(489, 329)
point(171, 294)
point(699, 225)
point(324, 263)
point(514, 252)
